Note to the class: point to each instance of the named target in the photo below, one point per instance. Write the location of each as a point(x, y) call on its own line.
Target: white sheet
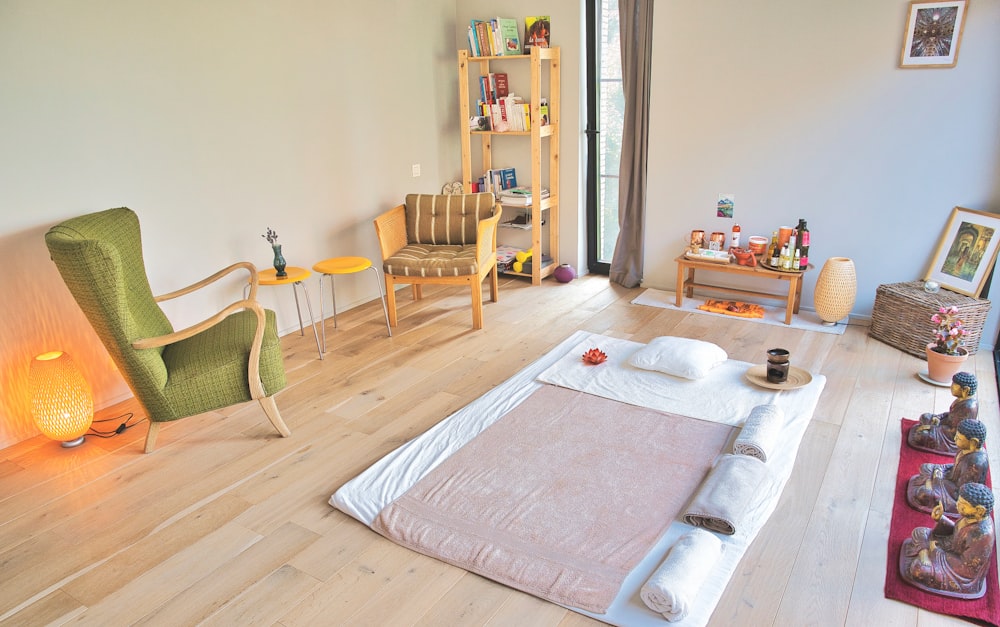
point(365, 495)
point(724, 395)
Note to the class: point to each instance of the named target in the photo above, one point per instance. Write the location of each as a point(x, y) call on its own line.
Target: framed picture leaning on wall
point(933, 34)
point(967, 251)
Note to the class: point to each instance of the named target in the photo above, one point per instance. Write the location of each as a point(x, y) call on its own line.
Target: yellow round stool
point(345, 265)
point(294, 277)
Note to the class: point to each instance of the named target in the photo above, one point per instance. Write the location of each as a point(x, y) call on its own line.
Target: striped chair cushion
point(433, 261)
point(440, 219)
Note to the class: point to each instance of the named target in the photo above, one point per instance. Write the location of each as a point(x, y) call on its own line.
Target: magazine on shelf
point(520, 196)
point(536, 32)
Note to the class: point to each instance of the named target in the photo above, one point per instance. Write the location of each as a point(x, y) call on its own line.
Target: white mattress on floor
point(364, 496)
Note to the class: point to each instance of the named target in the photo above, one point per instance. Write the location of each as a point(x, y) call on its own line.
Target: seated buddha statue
point(936, 432)
point(939, 483)
point(952, 559)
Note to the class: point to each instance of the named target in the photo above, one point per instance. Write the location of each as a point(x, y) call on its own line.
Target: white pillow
point(679, 356)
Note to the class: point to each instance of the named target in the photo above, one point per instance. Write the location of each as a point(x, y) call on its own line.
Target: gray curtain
point(636, 23)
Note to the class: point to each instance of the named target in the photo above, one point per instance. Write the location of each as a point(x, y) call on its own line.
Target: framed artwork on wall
point(967, 251)
point(933, 34)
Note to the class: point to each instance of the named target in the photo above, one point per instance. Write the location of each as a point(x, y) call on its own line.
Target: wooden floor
point(228, 524)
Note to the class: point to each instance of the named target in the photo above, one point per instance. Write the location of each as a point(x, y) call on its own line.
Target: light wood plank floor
point(228, 524)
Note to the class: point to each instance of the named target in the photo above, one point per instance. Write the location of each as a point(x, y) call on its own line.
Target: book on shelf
point(543, 110)
point(481, 30)
point(473, 42)
point(509, 178)
point(497, 36)
point(536, 32)
point(500, 81)
point(510, 43)
point(498, 179)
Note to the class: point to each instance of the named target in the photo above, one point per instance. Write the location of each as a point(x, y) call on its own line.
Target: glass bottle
point(735, 241)
point(803, 244)
point(774, 252)
point(785, 259)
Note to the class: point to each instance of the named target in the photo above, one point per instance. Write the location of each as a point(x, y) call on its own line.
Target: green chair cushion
point(209, 370)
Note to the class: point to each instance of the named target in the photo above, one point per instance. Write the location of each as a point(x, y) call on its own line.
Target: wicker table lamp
point(836, 289)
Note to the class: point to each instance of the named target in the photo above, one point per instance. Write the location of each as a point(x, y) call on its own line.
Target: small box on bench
point(902, 316)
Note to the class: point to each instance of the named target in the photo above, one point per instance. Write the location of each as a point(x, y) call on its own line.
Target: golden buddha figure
point(939, 483)
point(936, 432)
point(952, 559)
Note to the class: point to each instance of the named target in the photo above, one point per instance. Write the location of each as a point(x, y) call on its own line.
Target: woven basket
point(902, 316)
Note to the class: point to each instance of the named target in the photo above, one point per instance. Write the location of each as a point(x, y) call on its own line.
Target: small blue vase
point(279, 262)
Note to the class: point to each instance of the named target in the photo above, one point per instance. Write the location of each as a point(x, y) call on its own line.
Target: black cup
point(777, 365)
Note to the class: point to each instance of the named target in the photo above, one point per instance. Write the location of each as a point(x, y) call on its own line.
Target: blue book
point(509, 178)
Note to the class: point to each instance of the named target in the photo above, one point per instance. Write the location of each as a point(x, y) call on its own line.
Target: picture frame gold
point(933, 34)
point(966, 252)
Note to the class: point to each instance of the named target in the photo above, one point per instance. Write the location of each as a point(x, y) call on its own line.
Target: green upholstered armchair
point(231, 357)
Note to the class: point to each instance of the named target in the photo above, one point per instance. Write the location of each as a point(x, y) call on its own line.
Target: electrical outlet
point(416, 170)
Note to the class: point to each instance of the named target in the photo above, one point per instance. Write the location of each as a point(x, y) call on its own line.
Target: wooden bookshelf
point(544, 143)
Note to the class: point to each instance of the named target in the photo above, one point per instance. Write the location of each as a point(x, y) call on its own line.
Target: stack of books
point(520, 196)
point(494, 38)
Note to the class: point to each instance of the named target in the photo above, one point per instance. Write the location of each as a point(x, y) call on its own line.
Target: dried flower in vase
point(270, 236)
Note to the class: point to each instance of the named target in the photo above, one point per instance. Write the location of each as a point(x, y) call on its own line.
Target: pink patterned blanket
point(560, 498)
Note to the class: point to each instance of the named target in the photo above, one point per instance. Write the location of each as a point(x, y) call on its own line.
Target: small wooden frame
point(933, 34)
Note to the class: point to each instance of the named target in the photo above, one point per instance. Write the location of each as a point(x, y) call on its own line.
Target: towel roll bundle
point(672, 589)
point(761, 432)
point(730, 499)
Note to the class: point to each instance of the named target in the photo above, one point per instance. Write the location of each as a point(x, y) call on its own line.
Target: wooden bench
point(685, 286)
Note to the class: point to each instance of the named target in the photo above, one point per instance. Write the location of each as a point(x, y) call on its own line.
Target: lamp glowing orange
point(61, 402)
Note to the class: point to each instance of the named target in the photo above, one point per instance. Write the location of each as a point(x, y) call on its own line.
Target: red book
point(501, 81)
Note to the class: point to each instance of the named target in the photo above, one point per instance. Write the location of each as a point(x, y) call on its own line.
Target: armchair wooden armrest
point(390, 228)
point(215, 277)
point(253, 368)
point(486, 238)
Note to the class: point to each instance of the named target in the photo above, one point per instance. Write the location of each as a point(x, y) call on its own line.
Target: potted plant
point(947, 353)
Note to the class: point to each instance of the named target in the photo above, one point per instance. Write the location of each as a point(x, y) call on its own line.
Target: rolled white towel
point(761, 432)
point(732, 496)
point(673, 587)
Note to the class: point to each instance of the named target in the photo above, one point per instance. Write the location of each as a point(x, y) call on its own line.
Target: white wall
point(217, 120)
point(213, 121)
point(800, 110)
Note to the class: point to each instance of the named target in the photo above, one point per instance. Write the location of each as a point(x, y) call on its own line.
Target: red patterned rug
point(984, 610)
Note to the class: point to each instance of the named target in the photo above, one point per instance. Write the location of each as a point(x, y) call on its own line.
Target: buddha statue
point(952, 559)
point(939, 483)
point(936, 432)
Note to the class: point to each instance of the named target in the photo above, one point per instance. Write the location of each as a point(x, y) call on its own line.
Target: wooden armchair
point(450, 240)
point(230, 357)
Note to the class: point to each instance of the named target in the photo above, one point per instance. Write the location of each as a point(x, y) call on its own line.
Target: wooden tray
point(710, 259)
point(797, 378)
point(764, 261)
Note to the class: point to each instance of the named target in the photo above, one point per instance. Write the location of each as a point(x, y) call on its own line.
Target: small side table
point(345, 265)
point(295, 278)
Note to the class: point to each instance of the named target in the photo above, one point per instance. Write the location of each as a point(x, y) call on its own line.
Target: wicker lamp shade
point(836, 289)
point(61, 401)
